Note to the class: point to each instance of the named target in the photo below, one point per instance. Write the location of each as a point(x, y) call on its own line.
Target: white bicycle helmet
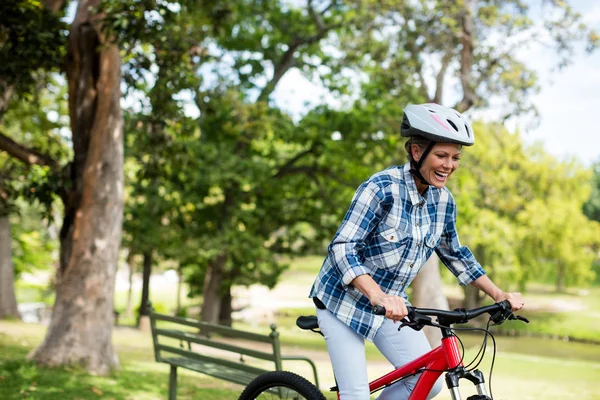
point(437, 123)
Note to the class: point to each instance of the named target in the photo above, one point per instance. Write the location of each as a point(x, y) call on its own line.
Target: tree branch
point(439, 80)
point(316, 170)
point(287, 61)
point(26, 155)
point(286, 168)
point(53, 5)
point(466, 59)
point(424, 88)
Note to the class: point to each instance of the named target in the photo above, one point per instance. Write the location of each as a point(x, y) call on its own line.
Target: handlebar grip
point(379, 310)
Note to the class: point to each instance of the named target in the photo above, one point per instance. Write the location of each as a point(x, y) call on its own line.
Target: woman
point(397, 219)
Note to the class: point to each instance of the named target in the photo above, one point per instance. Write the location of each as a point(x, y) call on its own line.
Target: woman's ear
point(415, 150)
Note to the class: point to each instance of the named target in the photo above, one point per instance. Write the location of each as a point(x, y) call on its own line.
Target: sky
point(568, 102)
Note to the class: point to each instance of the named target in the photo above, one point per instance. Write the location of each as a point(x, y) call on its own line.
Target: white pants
point(347, 352)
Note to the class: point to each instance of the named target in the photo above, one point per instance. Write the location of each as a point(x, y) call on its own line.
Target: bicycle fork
point(475, 376)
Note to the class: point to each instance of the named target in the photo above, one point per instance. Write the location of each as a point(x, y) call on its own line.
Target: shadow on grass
point(23, 379)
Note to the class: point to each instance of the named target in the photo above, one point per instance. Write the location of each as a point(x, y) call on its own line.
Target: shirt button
point(418, 224)
point(418, 244)
point(392, 237)
point(412, 265)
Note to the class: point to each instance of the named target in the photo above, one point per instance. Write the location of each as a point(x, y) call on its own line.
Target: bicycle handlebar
point(421, 316)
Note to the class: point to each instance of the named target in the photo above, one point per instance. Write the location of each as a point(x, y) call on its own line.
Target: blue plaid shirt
point(389, 231)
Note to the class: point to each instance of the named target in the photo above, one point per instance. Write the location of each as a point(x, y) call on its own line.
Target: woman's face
point(440, 163)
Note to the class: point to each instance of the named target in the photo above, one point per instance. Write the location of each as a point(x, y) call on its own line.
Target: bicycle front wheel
point(281, 385)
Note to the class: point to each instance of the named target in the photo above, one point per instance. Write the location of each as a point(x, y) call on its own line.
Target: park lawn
point(546, 370)
point(140, 376)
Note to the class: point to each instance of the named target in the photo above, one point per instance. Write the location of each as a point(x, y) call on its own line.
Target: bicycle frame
point(445, 357)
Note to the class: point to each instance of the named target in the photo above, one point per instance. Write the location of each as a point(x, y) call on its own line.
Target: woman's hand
point(484, 283)
point(515, 299)
point(395, 307)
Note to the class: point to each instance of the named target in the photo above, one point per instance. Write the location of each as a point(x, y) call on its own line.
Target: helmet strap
point(416, 166)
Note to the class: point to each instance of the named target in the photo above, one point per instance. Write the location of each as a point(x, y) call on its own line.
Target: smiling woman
point(397, 219)
point(438, 167)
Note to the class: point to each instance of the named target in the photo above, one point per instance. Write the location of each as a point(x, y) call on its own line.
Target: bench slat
point(200, 357)
point(217, 371)
point(181, 335)
point(207, 327)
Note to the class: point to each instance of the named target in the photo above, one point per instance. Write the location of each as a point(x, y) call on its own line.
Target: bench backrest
point(203, 333)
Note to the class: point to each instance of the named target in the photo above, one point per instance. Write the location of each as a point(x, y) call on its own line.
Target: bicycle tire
point(478, 397)
point(277, 385)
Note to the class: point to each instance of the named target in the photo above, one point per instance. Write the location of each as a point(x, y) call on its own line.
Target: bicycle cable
point(481, 351)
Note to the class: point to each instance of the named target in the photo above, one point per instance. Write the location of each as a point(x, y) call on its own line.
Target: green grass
point(525, 368)
point(140, 377)
point(528, 366)
point(574, 314)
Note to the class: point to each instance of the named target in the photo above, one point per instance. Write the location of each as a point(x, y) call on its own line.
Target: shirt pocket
point(390, 246)
point(432, 240)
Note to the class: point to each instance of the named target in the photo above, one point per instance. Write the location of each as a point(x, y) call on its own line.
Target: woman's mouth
point(441, 176)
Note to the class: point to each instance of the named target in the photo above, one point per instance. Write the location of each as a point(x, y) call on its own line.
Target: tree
point(502, 190)
point(455, 40)
point(32, 40)
point(82, 317)
point(591, 208)
point(227, 193)
point(90, 188)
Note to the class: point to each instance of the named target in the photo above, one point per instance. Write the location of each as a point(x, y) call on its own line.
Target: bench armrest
point(308, 360)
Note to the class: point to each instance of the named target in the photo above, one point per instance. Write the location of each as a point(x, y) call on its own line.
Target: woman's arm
point(395, 306)
point(486, 285)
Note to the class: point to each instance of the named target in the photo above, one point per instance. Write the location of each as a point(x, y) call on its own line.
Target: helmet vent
point(468, 131)
point(453, 125)
point(430, 110)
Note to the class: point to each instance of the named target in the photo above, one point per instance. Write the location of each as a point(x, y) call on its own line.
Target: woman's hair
point(419, 141)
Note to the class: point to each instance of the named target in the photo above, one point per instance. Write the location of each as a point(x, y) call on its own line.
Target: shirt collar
point(433, 193)
point(415, 196)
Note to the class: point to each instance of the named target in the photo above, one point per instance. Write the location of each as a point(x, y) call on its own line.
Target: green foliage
point(591, 208)
point(520, 211)
point(33, 247)
point(38, 122)
point(243, 182)
point(33, 38)
point(473, 45)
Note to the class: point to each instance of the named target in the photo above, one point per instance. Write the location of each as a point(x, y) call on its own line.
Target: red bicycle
point(446, 358)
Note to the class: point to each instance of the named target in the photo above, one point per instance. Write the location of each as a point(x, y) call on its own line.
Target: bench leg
point(173, 383)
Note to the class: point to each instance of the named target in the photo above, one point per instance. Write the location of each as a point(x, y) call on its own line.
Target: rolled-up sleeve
point(347, 248)
point(458, 259)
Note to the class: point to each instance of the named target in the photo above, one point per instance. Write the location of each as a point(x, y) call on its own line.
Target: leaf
point(97, 391)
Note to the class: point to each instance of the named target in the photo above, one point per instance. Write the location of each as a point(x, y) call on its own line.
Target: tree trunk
point(226, 307)
point(147, 271)
point(80, 331)
point(472, 297)
point(179, 286)
point(427, 291)
point(6, 92)
point(8, 300)
point(212, 292)
point(131, 267)
point(560, 278)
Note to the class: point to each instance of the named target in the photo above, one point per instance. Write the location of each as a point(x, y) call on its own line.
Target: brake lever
point(415, 321)
point(520, 318)
point(411, 324)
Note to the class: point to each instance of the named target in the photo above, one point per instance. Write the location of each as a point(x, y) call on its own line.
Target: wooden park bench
point(216, 350)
